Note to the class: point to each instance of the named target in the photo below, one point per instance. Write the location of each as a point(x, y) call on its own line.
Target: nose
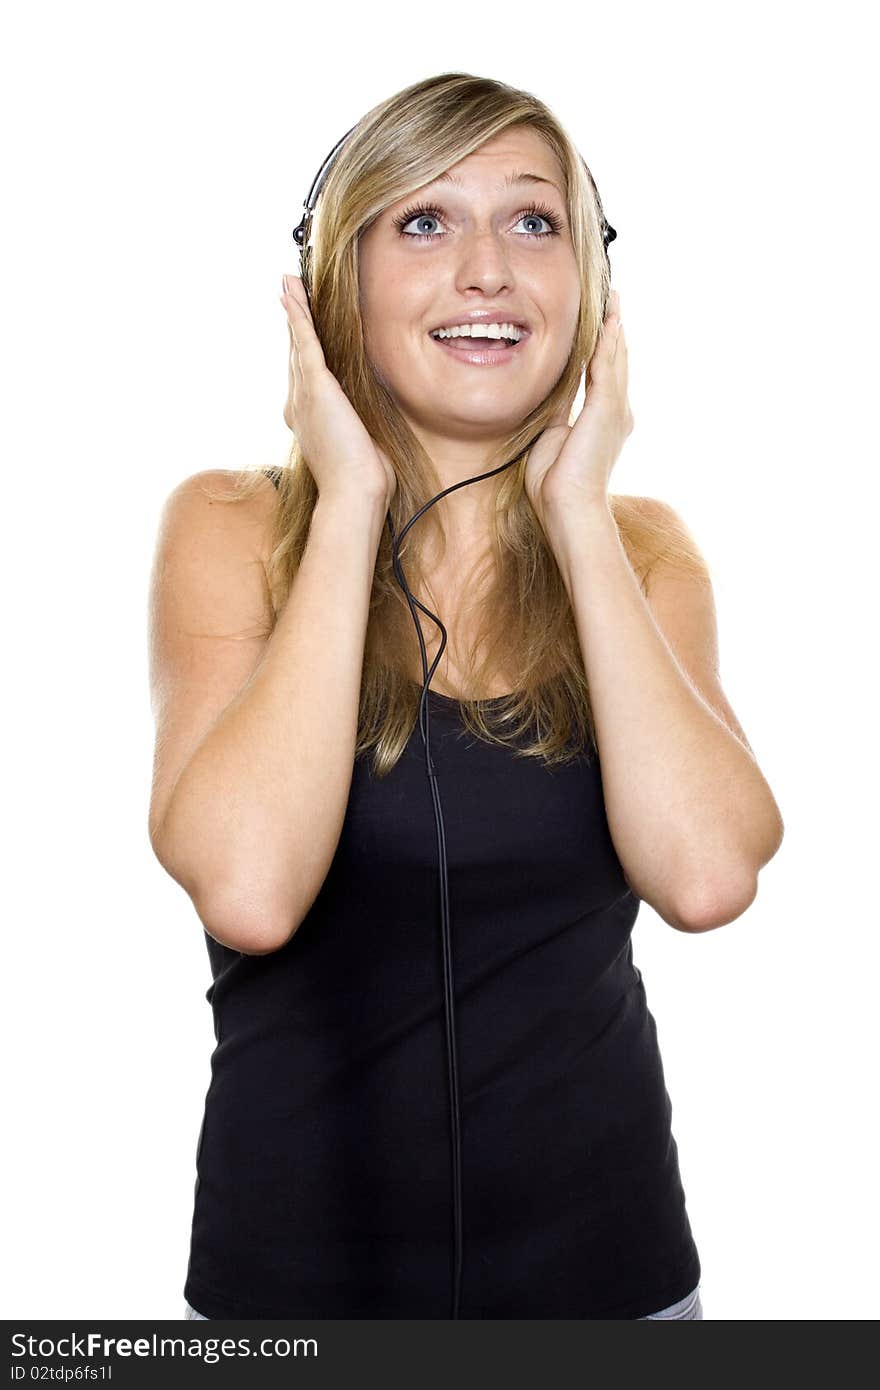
point(483, 263)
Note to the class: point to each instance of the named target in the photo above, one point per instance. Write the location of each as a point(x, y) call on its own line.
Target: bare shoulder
point(209, 571)
point(656, 538)
point(240, 506)
point(223, 512)
point(682, 602)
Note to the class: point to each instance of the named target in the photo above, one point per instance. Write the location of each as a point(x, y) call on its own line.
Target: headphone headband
point(299, 232)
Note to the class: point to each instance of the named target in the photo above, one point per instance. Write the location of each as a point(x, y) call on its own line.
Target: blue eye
point(418, 213)
point(405, 218)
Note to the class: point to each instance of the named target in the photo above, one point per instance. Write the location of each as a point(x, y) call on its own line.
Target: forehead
point(514, 157)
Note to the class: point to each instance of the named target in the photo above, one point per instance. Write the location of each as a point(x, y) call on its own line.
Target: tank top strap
point(274, 474)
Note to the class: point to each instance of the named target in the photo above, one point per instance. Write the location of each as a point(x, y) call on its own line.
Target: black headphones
point(300, 236)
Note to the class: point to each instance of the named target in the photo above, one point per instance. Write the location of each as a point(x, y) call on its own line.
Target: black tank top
point(324, 1180)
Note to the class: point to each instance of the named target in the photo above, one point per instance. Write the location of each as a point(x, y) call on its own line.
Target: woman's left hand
point(571, 464)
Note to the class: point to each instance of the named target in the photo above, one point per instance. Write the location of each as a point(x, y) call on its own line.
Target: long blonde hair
point(527, 624)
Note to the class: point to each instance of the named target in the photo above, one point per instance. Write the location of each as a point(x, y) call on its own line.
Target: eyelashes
point(533, 210)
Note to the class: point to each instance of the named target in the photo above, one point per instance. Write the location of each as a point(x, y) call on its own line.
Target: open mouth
point(481, 350)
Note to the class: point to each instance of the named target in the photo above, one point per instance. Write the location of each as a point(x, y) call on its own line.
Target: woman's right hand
point(342, 457)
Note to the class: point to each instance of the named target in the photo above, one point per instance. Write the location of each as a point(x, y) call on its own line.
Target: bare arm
point(251, 823)
point(692, 817)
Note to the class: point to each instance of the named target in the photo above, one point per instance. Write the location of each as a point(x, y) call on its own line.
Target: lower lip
point(481, 357)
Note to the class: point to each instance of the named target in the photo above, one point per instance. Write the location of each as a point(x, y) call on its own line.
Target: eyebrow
point(515, 177)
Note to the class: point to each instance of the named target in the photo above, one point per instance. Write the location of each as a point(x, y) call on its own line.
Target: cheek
point(379, 340)
point(392, 359)
point(568, 321)
point(386, 350)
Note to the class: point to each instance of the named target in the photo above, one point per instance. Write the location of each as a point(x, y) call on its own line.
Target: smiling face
point(473, 241)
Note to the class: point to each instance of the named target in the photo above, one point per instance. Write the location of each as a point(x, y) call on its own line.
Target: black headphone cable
point(448, 980)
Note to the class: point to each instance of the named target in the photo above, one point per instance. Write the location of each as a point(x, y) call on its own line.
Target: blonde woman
point(585, 753)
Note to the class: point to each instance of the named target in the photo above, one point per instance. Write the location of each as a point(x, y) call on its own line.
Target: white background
point(156, 160)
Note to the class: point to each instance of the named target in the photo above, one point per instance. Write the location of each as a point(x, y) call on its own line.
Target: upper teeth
point(479, 330)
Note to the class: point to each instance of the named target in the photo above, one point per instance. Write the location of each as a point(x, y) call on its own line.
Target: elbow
point(711, 906)
point(257, 941)
point(236, 916)
point(242, 924)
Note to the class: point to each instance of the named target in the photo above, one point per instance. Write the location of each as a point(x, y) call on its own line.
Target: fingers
point(608, 371)
point(612, 328)
point(618, 354)
point(611, 347)
point(306, 352)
